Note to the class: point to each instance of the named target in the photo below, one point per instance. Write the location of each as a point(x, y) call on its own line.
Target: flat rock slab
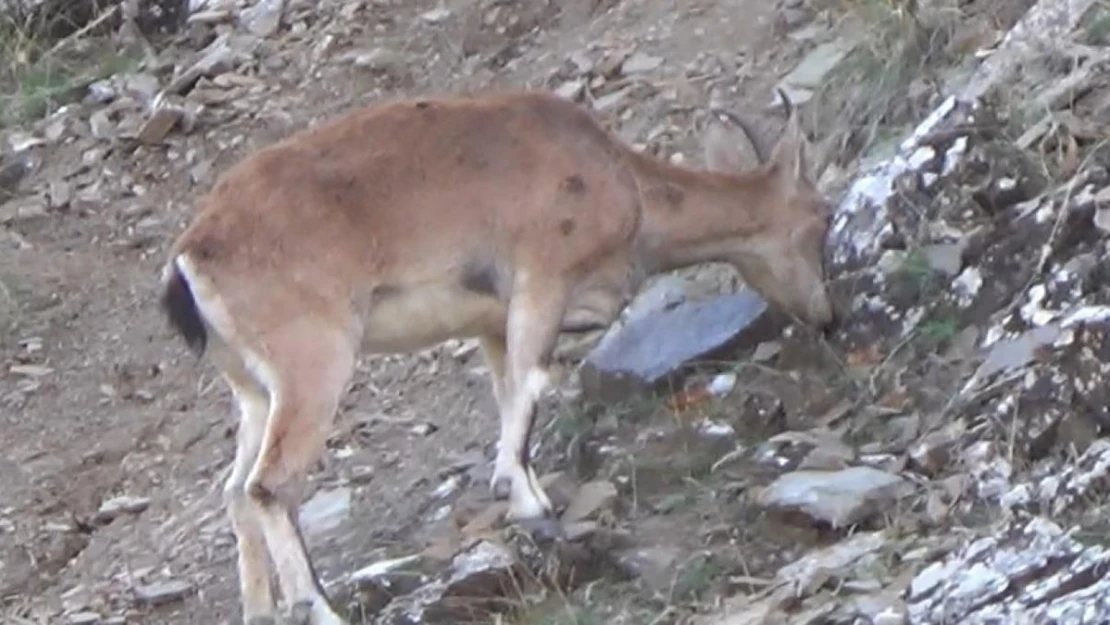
point(652, 347)
point(839, 498)
point(477, 582)
point(801, 83)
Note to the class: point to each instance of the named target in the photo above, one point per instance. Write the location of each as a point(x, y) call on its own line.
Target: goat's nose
point(821, 313)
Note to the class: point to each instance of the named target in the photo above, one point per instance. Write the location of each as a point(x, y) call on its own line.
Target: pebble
point(160, 593)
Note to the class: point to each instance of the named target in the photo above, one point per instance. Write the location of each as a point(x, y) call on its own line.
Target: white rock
point(325, 511)
point(114, 507)
point(722, 384)
point(640, 62)
point(435, 16)
point(571, 90)
point(264, 18)
point(379, 571)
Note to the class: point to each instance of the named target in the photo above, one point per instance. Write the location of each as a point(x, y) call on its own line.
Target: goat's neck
point(692, 217)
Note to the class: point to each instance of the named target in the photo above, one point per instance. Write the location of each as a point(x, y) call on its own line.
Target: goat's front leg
point(534, 319)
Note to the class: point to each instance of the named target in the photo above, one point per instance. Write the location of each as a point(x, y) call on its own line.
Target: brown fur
point(507, 217)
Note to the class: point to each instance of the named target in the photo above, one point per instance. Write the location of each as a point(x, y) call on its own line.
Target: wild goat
point(509, 218)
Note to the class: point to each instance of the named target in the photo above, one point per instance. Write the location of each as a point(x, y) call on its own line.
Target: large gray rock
point(839, 498)
point(651, 348)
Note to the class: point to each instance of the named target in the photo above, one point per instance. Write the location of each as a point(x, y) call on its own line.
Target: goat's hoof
point(301, 613)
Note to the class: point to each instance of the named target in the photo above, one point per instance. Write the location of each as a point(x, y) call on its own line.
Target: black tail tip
point(181, 308)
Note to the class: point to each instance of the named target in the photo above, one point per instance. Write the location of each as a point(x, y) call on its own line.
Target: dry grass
point(886, 81)
point(47, 62)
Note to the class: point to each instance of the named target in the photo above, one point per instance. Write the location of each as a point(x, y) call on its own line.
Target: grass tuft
point(35, 76)
point(881, 85)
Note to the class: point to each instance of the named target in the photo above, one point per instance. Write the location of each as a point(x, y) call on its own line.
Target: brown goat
point(509, 217)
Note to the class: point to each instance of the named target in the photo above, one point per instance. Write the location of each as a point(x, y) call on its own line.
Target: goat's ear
point(728, 146)
point(792, 151)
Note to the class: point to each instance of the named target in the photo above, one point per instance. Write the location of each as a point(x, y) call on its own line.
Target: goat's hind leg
point(306, 374)
point(493, 347)
point(253, 558)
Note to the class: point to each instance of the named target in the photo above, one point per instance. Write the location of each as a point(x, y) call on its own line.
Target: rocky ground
point(938, 459)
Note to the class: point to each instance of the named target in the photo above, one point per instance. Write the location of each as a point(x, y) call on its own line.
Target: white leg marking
point(254, 560)
point(533, 324)
point(526, 499)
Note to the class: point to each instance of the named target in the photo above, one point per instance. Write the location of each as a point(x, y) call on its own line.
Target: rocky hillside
point(940, 457)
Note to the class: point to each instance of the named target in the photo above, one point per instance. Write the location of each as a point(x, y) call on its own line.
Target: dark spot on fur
point(422, 105)
point(574, 185)
point(674, 197)
point(566, 226)
point(205, 248)
point(343, 188)
point(264, 496)
point(480, 277)
point(384, 291)
point(477, 163)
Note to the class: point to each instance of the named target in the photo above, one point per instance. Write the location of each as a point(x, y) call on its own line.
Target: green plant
point(939, 330)
point(1097, 30)
point(36, 75)
point(916, 273)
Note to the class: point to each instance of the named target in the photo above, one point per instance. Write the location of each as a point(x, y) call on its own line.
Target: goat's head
point(784, 259)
